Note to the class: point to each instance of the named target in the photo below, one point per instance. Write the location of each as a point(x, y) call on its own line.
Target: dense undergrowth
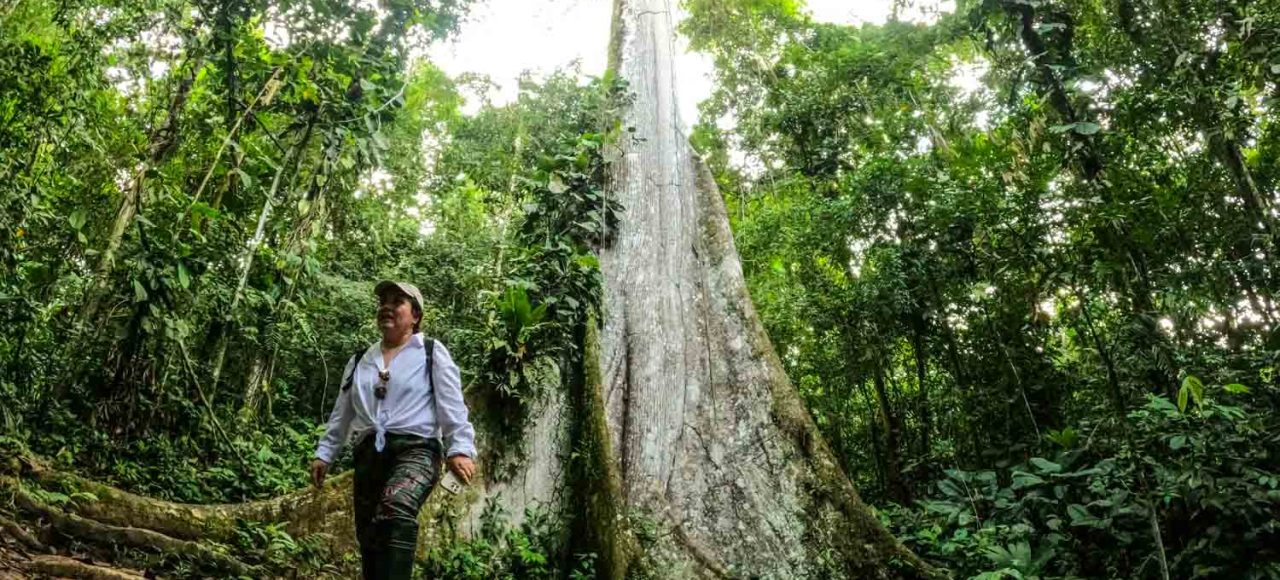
point(1203, 477)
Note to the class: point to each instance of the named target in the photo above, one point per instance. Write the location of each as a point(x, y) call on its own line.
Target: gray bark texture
point(710, 439)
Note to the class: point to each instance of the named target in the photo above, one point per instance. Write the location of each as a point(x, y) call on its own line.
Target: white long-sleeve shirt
point(410, 407)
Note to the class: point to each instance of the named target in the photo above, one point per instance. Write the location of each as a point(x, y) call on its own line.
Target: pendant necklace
point(384, 374)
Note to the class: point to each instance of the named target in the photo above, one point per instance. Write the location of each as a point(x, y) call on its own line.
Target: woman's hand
point(318, 469)
point(462, 466)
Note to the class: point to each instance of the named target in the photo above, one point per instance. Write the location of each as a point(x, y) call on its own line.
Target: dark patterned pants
point(390, 488)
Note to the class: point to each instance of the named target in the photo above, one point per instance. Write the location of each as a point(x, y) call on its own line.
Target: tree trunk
point(919, 350)
point(256, 385)
point(1114, 235)
point(892, 425)
point(710, 439)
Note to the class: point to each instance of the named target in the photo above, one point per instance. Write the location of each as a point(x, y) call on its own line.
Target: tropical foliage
point(1021, 262)
point(1020, 259)
point(197, 198)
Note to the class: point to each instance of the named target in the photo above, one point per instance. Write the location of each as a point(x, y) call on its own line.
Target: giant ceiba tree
point(707, 432)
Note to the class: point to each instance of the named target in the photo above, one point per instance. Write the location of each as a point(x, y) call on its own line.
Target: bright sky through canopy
point(502, 38)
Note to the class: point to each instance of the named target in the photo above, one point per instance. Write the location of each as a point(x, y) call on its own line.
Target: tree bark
point(92, 531)
point(710, 438)
point(256, 384)
point(64, 567)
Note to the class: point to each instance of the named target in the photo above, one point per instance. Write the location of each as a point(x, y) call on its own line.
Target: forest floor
point(21, 559)
point(56, 524)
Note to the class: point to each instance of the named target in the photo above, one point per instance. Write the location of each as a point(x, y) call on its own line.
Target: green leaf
point(1236, 388)
point(1182, 398)
point(1177, 442)
point(139, 293)
point(538, 314)
point(1193, 384)
point(55, 498)
point(950, 489)
point(1023, 479)
point(556, 185)
point(183, 277)
point(1087, 128)
point(76, 219)
point(1045, 465)
point(203, 209)
point(84, 497)
point(1078, 513)
point(776, 265)
point(1162, 404)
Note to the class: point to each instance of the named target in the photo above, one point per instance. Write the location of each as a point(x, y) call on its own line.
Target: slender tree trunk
point(1113, 378)
point(1116, 237)
point(892, 426)
point(874, 426)
point(710, 438)
point(231, 78)
point(919, 350)
point(257, 386)
point(246, 259)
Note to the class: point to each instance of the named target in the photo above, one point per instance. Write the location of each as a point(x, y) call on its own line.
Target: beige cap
point(409, 289)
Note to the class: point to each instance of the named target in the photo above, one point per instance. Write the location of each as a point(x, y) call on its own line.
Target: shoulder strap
point(355, 362)
point(430, 345)
point(431, 385)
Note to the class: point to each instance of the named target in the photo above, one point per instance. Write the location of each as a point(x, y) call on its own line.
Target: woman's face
point(395, 313)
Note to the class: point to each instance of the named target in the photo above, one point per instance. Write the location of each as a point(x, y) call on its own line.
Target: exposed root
point(20, 534)
point(306, 511)
point(98, 533)
point(64, 567)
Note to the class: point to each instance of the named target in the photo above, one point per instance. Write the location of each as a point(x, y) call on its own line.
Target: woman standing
point(400, 398)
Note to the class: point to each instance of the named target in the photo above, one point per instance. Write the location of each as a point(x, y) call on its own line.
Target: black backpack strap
point(355, 362)
point(430, 344)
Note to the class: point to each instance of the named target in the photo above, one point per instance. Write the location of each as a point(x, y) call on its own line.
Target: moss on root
point(599, 524)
